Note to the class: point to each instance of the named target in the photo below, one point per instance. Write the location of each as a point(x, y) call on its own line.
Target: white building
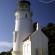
point(36, 43)
point(25, 41)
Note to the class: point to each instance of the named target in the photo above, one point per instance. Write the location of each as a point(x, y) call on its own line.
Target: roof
point(28, 36)
point(20, 2)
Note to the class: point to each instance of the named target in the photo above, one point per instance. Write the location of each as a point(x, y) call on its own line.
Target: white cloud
point(5, 44)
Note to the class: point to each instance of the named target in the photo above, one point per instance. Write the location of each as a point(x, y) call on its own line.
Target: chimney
point(38, 26)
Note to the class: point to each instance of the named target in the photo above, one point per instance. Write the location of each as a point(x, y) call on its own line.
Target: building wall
point(27, 47)
point(45, 44)
point(39, 43)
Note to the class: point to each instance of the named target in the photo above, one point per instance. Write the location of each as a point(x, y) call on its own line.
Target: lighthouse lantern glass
point(23, 6)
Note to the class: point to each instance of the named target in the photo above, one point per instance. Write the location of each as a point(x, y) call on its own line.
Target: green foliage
point(49, 31)
point(6, 53)
point(2, 53)
point(34, 26)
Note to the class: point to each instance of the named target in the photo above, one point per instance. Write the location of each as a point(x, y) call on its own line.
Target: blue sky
point(43, 12)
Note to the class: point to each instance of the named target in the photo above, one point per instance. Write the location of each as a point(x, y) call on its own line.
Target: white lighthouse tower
point(23, 26)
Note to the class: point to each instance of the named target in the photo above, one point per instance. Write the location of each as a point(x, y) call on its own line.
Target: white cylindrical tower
point(23, 26)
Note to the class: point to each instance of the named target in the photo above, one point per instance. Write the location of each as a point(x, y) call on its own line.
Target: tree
point(49, 31)
point(34, 26)
point(6, 53)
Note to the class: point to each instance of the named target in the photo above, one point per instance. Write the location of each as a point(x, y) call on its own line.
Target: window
point(15, 37)
point(26, 15)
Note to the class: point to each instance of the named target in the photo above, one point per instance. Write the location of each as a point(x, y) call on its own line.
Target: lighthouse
point(23, 26)
point(25, 41)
